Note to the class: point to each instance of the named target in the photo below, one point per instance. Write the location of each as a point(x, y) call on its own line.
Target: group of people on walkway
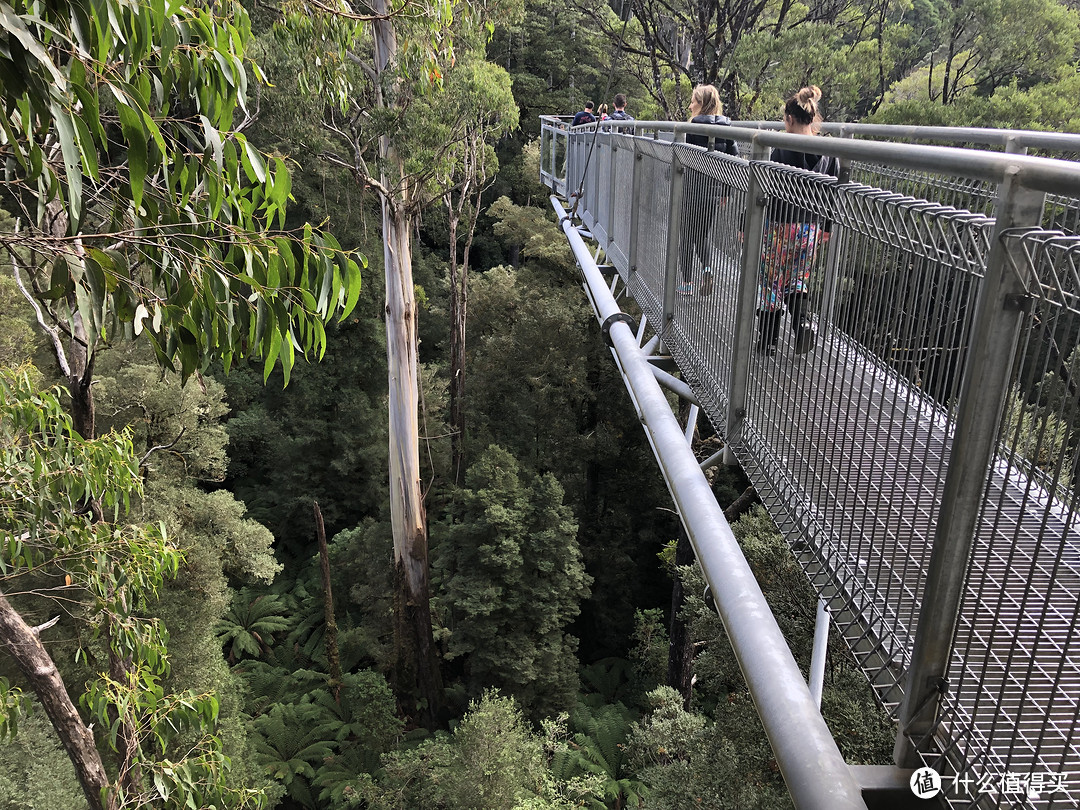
point(590, 114)
point(792, 235)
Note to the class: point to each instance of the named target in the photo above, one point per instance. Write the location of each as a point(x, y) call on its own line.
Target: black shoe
point(805, 338)
point(706, 282)
point(768, 331)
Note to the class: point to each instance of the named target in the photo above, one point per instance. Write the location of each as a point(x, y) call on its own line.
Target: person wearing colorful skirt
point(792, 238)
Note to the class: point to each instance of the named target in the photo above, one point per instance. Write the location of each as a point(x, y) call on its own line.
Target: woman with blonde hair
point(705, 108)
point(792, 237)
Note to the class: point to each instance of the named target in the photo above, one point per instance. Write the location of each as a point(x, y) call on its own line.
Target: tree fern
point(292, 741)
point(599, 743)
point(247, 630)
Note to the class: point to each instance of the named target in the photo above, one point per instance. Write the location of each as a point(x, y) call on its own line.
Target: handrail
point(1043, 174)
point(1021, 138)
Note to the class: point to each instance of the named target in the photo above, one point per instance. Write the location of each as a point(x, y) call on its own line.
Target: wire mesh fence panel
point(970, 194)
point(702, 326)
point(593, 190)
point(600, 198)
point(622, 200)
point(1063, 214)
point(651, 193)
point(1009, 735)
point(850, 436)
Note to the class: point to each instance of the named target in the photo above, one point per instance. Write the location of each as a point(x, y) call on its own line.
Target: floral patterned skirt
point(787, 255)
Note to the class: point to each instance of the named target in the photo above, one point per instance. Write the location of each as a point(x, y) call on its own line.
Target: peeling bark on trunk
point(20, 641)
point(417, 666)
point(417, 663)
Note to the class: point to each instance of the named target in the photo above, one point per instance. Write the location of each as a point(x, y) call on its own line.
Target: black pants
point(698, 217)
point(798, 305)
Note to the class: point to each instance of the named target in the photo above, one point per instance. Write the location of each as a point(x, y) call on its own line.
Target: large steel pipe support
point(813, 768)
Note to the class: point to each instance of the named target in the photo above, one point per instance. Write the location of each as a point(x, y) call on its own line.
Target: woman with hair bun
point(792, 237)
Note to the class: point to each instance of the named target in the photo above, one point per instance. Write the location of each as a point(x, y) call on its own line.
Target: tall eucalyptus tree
point(379, 66)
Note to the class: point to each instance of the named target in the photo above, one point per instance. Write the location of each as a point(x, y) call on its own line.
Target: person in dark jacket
point(792, 237)
point(586, 116)
point(705, 108)
point(619, 112)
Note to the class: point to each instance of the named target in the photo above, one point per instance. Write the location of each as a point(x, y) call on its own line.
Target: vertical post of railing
point(609, 226)
point(675, 229)
point(1013, 146)
point(753, 227)
point(984, 389)
point(549, 139)
point(821, 651)
point(559, 136)
point(636, 205)
point(571, 167)
point(832, 252)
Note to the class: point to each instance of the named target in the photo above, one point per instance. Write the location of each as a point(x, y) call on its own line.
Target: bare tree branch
point(51, 331)
point(168, 446)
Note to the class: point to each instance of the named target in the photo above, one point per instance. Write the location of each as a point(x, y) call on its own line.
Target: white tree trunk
point(417, 665)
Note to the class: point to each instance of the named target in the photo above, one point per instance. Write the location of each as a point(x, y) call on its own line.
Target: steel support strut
point(813, 768)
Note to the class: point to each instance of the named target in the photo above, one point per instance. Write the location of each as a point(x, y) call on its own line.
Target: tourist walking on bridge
point(620, 113)
point(702, 201)
point(792, 237)
point(586, 116)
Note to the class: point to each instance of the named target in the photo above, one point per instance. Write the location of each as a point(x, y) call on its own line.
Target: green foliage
point(159, 720)
point(113, 571)
point(14, 704)
point(49, 474)
point(598, 748)
point(553, 399)
point(323, 439)
point(514, 573)
point(688, 763)
point(174, 212)
point(491, 760)
point(247, 629)
point(319, 744)
point(177, 431)
point(650, 654)
point(1037, 434)
point(998, 63)
point(452, 133)
point(292, 740)
point(363, 556)
point(18, 340)
point(532, 230)
point(557, 60)
point(608, 680)
point(35, 771)
point(862, 730)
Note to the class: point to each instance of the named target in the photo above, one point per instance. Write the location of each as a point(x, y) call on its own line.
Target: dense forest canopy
point(195, 390)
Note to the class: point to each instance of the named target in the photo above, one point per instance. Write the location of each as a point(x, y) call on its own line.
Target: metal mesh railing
point(852, 440)
point(1015, 665)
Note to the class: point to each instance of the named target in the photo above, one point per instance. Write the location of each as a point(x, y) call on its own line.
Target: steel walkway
point(922, 459)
